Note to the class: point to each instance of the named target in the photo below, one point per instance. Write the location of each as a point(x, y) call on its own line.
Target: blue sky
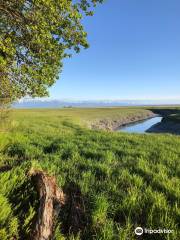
point(134, 54)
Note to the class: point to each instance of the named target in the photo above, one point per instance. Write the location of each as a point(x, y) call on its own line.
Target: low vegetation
point(115, 181)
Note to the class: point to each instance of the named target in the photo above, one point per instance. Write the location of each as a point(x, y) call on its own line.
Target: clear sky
point(134, 53)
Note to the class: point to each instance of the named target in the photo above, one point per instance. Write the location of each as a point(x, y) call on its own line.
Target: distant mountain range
point(47, 103)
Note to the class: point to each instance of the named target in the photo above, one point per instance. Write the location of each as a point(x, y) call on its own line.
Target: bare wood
point(51, 200)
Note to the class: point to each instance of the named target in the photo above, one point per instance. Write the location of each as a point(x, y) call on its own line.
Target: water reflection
point(140, 127)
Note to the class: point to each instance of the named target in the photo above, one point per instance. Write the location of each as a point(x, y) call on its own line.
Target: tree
point(35, 36)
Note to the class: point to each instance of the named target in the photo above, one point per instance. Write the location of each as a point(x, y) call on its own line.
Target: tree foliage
point(35, 36)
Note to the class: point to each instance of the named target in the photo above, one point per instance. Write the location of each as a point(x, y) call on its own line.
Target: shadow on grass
point(24, 199)
point(75, 215)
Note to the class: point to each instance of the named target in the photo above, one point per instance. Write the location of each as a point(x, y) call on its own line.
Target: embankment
point(111, 124)
point(169, 124)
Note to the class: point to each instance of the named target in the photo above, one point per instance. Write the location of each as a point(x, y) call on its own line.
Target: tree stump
point(51, 200)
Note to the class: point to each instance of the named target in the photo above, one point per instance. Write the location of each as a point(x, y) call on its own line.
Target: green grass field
point(83, 116)
point(124, 180)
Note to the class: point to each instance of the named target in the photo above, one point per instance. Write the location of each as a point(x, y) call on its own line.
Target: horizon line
point(95, 100)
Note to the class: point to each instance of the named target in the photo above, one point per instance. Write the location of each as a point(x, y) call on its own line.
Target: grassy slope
point(126, 180)
point(84, 114)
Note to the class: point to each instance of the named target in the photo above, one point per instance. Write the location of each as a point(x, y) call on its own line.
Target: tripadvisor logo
point(139, 231)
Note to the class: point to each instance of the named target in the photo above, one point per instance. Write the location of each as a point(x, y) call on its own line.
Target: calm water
point(140, 127)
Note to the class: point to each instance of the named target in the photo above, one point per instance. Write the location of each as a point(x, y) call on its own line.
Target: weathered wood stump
point(51, 199)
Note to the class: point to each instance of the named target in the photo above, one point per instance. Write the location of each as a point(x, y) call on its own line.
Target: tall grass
point(125, 180)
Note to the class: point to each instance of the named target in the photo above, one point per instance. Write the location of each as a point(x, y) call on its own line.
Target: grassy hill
point(117, 181)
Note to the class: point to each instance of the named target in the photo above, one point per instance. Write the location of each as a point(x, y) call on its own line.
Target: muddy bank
point(166, 126)
point(113, 124)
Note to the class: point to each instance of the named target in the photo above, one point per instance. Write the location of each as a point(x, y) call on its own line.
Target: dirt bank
point(112, 124)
